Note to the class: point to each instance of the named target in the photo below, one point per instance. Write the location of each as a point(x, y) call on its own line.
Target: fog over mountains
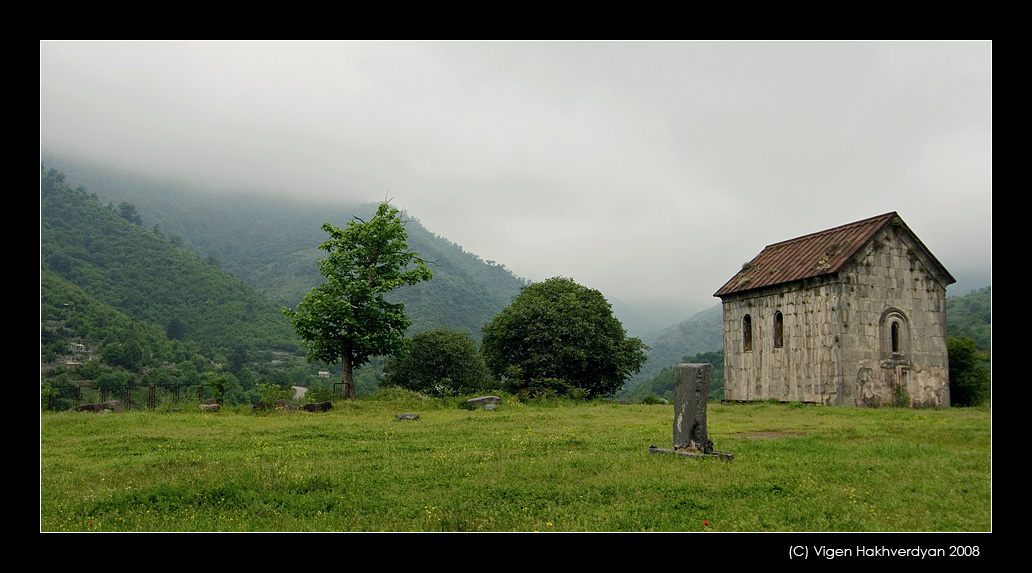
point(649, 171)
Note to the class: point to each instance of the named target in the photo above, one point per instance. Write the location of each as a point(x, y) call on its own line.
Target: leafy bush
point(272, 393)
point(970, 374)
point(545, 389)
point(320, 393)
point(440, 362)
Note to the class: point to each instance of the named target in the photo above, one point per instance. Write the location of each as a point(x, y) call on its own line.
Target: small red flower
point(705, 522)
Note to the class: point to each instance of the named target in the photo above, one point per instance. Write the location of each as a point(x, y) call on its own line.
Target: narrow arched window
point(894, 332)
point(779, 330)
point(747, 333)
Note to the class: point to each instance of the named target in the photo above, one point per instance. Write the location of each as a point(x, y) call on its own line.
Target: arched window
point(895, 337)
point(779, 329)
point(894, 329)
point(747, 333)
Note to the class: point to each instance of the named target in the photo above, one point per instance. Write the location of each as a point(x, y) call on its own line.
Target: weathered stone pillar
point(691, 390)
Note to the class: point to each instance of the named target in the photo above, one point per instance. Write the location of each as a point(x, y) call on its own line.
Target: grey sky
point(647, 170)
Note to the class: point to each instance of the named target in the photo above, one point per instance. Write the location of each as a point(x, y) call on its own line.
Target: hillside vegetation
point(211, 271)
point(133, 305)
point(271, 244)
point(120, 305)
point(147, 277)
point(971, 315)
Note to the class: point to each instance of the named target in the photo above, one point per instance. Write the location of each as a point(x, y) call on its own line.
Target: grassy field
point(556, 466)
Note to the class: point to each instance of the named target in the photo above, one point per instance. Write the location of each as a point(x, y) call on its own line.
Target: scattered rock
point(484, 401)
point(209, 407)
point(101, 407)
point(319, 407)
point(407, 417)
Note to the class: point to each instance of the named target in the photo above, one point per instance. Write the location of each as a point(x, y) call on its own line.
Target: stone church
point(851, 316)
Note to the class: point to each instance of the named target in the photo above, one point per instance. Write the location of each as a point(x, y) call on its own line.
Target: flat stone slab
point(484, 401)
point(689, 454)
point(109, 406)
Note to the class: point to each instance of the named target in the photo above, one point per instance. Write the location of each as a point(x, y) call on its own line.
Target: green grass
point(542, 467)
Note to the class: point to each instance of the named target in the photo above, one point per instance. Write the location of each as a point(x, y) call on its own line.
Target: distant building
point(853, 316)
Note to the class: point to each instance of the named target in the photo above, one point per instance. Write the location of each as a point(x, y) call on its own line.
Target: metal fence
point(150, 396)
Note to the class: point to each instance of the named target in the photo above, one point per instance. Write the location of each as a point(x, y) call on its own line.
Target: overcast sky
point(647, 170)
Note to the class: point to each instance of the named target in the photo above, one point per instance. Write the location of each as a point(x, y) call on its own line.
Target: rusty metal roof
point(813, 255)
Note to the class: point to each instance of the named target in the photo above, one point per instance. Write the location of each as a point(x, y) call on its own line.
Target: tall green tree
point(347, 317)
point(561, 330)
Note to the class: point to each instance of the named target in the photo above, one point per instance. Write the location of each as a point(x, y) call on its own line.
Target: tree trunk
point(347, 379)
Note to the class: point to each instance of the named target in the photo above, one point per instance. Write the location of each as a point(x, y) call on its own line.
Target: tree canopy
point(438, 362)
point(970, 374)
point(560, 330)
point(346, 317)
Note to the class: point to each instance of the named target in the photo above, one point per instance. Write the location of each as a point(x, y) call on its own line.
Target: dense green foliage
point(75, 327)
point(540, 466)
point(466, 291)
point(970, 377)
point(69, 314)
point(561, 330)
point(971, 315)
point(122, 308)
point(440, 362)
point(347, 317)
point(146, 277)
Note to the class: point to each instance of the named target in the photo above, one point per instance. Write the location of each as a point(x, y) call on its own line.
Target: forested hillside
point(69, 314)
point(971, 315)
point(108, 256)
point(121, 305)
point(701, 333)
point(148, 268)
point(271, 244)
